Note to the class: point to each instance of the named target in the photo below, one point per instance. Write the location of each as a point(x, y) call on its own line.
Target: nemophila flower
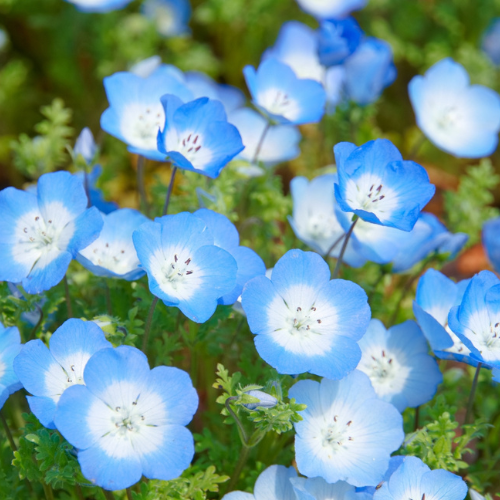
point(414, 479)
point(491, 242)
point(10, 345)
point(436, 296)
point(331, 9)
point(318, 489)
point(378, 186)
point(272, 484)
point(338, 39)
point(314, 220)
point(197, 135)
point(304, 322)
point(226, 237)
point(347, 432)
point(113, 254)
point(85, 145)
point(185, 267)
point(491, 41)
point(476, 321)
point(394, 463)
point(281, 142)
point(396, 360)
point(170, 17)
point(40, 234)
point(136, 114)
point(127, 420)
point(95, 194)
point(99, 6)
point(46, 374)
point(265, 400)
point(459, 118)
point(146, 67)
point(282, 96)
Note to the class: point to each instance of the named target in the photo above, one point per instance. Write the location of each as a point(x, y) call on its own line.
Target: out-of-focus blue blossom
point(95, 194)
point(280, 143)
point(282, 96)
point(85, 146)
point(226, 236)
point(185, 267)
point(136, 113)
point(476, 321)
point(414, 479)
point(265, 400)
point(347, 432)
point(302, 321)
point(378, 186)
point(113, 254)
point(314, 220)
point(99, 6)
point(48, 373)
point(10, 346)
point(197, 135)
point(170, 17)
point(146, 67)
point(331, 9)
point(459, 118)
point(491, 242)
point(338, 39)
point(318, 489)
point(40, 234)
point(396, 360)
point(436, 296)
point(127, 420)
point(491, 41)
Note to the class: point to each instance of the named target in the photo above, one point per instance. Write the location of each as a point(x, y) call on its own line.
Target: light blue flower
point(85, 146)
point(197, 135)
point(338, 39)
point(331, 9)
point(436, 296)
point(394, 463)
point(396, 360)
point(170, 17)
point(99, 6)
point(347, 432)
point(491, 242)
point(378, 186)
point(414, 479)
point(145, 67)
point(459, 118)
point(282, 96)
point(491, 41)
point(318, 489)
point(476, 321)
point(95, 194)
point(304, 322)
point(185, 267)
point(10, 345)
point(48, 373)
point(127, 420)
point(281, 142)
point(40, 234)
point(272, 484)
point(226, 237)
point(136, 114)
point(113, 254)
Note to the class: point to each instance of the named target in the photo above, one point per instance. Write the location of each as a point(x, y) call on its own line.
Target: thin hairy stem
point(7, 431)
point(169, 192)
point(469, 415)
point(241, 429)
point(335, 243)
point(342, 251)
point(417, 417)
point(49, 494)
point(242, 460)
point(129, 494)
point(261, 143)
point(38, 323)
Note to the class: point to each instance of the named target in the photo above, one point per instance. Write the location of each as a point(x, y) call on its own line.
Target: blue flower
point(476, 321)
point(314, 220)
point(95, 194)
point(127, 420)
point(318, 489)
point(113, 254)
point(396, 360)
point(347, 432)
point(491, 242)
point(146, 67)
point(281, 142)
point(272, 484)
point(436, 296)
point(459, 118)
point(48, 373)
point(185, 267)
point(338, 39)
point(136, 114)
point(226, 237)
point(394, 463)
point(378, 186)
point(170, 17)
point(40, 234)
point(491, 41)
point(99, 6)
point(368, 71)
point(85, 146)
point(282, 96)
point(414, 479)
point(304, 322)
point(197, 135)
point(336, 9)
point(10, 345)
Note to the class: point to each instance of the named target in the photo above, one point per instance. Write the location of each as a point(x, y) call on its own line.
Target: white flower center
point(119, 257)
point(127, 419)
point(304, 321)
point(458, 346)
point(61, 376)
point(448, 118)
point(190, 146)
point(140, 124)
point(337, 434)
point(323, 226)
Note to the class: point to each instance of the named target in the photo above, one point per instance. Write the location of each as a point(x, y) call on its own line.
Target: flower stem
point(141, 187)
point(79, 493)
point(417, 415)
point(335, 243)
point(344, 246)
point(68, 298)
point(129, 494)
point(49, 494)
point(469, 414)
point(108, 494)
point(7, 431)
point(147, 327)
point(416, 147)
point(242, 460)
point(38, 324)
point(261, 143)
point(169, 192)
point(241, 429)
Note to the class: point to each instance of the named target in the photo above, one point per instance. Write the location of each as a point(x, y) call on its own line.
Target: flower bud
point(265, 400)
